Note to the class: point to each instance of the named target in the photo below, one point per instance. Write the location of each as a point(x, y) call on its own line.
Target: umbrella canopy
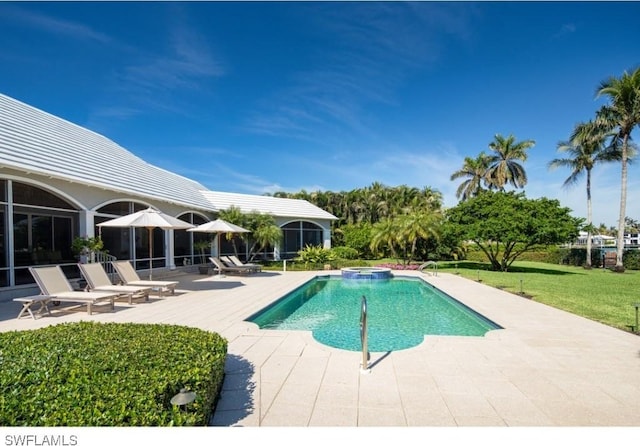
point(219, 226)
point(149, 218)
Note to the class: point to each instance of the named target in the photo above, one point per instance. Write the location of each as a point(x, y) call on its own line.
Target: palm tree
point(415, 226)
point(503, 165)
point(585, 149)
point(623, 115)
point(475, 171)
point(384, 234)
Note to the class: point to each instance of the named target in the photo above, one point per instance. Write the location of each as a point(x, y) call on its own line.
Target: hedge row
point(565, 256)
point(92, 374)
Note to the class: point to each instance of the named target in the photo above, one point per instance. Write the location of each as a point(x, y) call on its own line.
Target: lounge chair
point(129, 276)
point(98, 280)
point(237, 262)
point(222, 268)
point(53, 283)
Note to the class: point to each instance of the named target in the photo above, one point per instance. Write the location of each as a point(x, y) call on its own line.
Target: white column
point(169, 249)
point(326, 235)
point(87, 228)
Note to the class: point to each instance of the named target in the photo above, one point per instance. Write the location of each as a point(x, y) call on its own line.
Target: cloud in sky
point(45, 23)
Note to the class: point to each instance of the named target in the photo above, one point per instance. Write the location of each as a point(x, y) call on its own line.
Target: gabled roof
point(37, 142)
point(278, 207)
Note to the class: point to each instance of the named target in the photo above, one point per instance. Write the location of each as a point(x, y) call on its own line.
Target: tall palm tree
point(504, 166)
point(475, 171)
point(622, 114)
point(586, 148)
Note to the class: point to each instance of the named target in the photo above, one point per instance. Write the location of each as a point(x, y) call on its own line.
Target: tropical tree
point(585, 148)
point(384, 234)
point(234, 215)
point(475, 171)
point(622, 114)
point(264, 232)
point(415, 226)
point(504, 167)
point(504, 225)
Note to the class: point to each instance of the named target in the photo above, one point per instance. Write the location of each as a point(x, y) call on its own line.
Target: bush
point(345, 252)
point(91, 374)
point(358, 237)
point(631, 259)
point(312, 256)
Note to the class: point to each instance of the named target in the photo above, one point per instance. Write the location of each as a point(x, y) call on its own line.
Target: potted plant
point(84, 247)
point(202, 246)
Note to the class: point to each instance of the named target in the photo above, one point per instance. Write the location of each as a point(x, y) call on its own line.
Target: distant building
point(600, 241)
point(58, 180)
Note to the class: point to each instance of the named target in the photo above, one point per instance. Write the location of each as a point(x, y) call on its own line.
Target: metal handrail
point(426, 265)
point(363, 335)
point(106, 259)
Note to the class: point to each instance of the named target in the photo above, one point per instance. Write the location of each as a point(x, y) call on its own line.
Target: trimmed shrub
point(92, 374)
point(631, 259)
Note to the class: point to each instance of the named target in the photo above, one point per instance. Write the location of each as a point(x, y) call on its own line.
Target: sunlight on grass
point(597, 294)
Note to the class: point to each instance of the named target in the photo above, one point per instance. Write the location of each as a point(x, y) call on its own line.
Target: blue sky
point(258, 97)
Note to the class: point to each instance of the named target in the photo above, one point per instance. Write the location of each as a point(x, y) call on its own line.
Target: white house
point(58, 180)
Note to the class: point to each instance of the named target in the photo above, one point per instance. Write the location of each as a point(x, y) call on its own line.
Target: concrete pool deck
point(546, 367)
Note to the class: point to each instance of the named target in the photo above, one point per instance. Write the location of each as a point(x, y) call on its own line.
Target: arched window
point(42, 229)
point(130, 243)
point(297, 235)
point(184, 241)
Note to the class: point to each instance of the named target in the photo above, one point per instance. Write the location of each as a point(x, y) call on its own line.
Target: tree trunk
point(623, 207)
point(588, 260)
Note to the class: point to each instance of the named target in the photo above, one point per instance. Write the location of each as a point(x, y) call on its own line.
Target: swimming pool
point(401, 311)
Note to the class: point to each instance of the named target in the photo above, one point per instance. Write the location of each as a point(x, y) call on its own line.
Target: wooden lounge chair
point(237, 262)
point(53, 283)
point(222, 268)
point(98, 280)
point(129, 276)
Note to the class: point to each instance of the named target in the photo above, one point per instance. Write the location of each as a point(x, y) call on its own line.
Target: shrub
point(315, 255)
point(631, 259)
point(345, 252)
point(91, 374)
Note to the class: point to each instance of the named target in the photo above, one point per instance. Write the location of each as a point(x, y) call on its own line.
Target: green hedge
point(92, 374)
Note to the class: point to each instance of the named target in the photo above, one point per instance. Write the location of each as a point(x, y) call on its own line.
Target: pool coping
point(546, 368)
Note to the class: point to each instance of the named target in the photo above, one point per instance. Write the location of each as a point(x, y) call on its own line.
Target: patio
point(545, 368)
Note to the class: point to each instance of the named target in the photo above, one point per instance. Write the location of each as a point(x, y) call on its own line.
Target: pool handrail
point(364, 367)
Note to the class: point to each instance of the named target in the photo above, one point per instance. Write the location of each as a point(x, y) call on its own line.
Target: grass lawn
point(597, 294)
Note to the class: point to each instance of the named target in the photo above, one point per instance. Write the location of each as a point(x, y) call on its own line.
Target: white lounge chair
point(98, 280)
point(129, 276)
point(53, 283)
point(237, 262)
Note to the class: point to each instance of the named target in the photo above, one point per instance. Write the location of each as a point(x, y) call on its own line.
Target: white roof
point(278, 207)
point(34, 141)
point(38, 142)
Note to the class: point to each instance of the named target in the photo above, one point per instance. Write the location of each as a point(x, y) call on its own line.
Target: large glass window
point(297, 235)
point(31, 195)
point(43, 229)
point(4, 260)
point(184, 241)
point(129, 243)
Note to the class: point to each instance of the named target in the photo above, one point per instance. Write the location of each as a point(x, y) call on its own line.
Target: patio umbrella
point(218, 227)
point(150, 219)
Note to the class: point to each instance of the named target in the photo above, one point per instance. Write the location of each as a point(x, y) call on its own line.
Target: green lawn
point(597, 294)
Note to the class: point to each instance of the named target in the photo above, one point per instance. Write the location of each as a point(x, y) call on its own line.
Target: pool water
point(401, 311)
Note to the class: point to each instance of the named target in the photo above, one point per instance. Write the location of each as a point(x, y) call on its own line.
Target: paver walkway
point(546, 367)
